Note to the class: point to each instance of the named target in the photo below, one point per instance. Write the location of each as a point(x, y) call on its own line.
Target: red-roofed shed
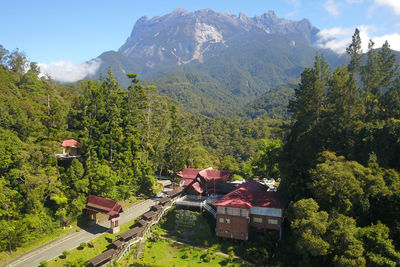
point(110, 207)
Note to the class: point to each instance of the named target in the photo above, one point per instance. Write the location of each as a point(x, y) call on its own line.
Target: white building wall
point(266, 211)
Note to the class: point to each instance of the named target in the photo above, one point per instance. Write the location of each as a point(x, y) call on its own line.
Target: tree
point(345, 186)
point(267, 158)
point(379, 250)
point(17, 61)
point(3, 55)
point(335, 118)
point(175, 147)
point(309, 225)
point(346, 249)
point(356, 56)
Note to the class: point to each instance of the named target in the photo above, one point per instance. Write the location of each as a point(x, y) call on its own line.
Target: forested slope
point(340, 163)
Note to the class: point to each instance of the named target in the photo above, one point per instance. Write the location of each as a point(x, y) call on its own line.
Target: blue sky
point(71, 32)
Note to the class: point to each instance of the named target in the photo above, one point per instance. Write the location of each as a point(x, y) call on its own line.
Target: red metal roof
point(70, 143)
point(104, 205)
point(201, 180)
point(188, 173)
point(251, 194)
point(215, 175)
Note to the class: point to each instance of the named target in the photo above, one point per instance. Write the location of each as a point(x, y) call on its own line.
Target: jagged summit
point(181, 37)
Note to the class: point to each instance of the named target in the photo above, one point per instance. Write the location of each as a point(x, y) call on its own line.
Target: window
point(272, 221)
point(221, 220)
point(242, 233)
point(227, 231)
point(257, 220)
point(221, 230)
point(228, 220)
point(226, 210)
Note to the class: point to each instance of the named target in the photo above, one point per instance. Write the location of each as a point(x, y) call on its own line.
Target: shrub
point(90, 244)
point(44, 264)
point(186, 255)
point(82, 245)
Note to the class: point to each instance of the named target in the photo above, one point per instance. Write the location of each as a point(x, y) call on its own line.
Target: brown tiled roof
point(175, 191)
point(131, 232)
point(102, 257)
point(156, 207)
point(117, 243)
point(148, 215)
point(143, 222)
point(164, 200)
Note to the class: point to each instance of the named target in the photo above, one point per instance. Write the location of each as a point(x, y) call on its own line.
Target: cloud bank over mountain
point(68, 71)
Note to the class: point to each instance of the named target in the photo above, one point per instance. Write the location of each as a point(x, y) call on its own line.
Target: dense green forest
point(341, 165)
point(126, 136)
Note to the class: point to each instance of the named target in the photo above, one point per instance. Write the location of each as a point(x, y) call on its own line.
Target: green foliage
point(265, 163)
point(309, 225)
point(82, 245)
point(340, 157)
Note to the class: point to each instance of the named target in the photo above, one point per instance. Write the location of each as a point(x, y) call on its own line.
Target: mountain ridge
point(236, 56)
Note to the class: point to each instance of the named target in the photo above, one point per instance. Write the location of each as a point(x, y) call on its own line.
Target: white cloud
point(338, 38)
point(393, 4)
point(332, 7)
point(67, 71)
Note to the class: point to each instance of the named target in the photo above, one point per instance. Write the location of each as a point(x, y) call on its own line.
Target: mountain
point(234, 59)
point(182, 37)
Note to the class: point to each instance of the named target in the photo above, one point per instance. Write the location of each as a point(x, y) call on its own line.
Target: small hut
point(110, 207)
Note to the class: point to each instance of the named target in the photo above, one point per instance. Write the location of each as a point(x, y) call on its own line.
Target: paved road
point(54, 249)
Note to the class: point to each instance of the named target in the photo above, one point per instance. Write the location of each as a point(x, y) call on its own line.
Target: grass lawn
point(100, 244)
point(79, 256)
point(164, 252)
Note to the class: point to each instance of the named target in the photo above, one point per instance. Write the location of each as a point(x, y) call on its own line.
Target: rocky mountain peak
point(181, 37)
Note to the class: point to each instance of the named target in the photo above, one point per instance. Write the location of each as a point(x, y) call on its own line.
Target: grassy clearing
point(100, 244)
point(257, 250)
point(164, 252)
point(78, 256)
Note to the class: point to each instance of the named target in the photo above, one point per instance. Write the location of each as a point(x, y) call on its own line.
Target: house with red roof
point(250, 205)
point(110, 207)
point(187, 175)
point(203, 182)
point(69, 150)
